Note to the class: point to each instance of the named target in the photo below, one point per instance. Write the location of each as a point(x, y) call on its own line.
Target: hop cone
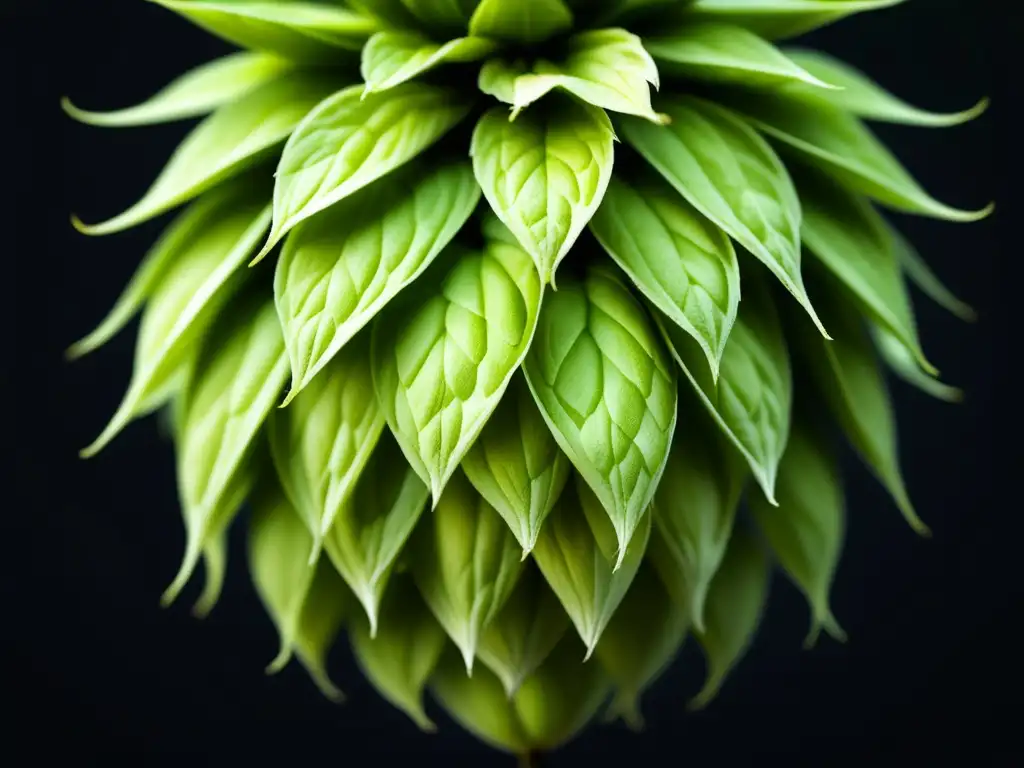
point(452, 307)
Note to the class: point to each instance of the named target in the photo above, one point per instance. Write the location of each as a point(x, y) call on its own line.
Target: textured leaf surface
point(841, 145)
point(198, 279)
point(731, 175)
point(517, 466)
point(729, 54)
point(441, 365)
point(851, 239)
point(525, 632)
point(197, 92)
point(736, 602)
point(608, 68)
point(239, 378)
point(607, 389)
point(681, 262)
point(520, 21)
point(640, 641)
point(544, 175)
point(851, 381)
point(279, 561)
point(304, 31)
point(550, 707)
point(576, 552)
point(753, 397)
point(236, 136)
point(466, 564)
point(806, 530)
point(322, 441)
point(338, 270)
point(773, 19)
point(374, 522)
point(392, 58)
point(859, 95)
point(694, 510)
point(349, 141)
point(403, 653)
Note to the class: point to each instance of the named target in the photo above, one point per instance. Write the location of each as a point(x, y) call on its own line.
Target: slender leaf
point(860, 96)
point(197, 92)
point(724, 53)
point(236, 136)
point(842, 146)
point(185, 302)
point(773, 19)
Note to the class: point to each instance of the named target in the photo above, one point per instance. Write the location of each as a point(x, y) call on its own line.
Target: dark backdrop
point(98, 669)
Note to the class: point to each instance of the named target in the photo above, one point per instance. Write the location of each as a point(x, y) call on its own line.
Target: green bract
point(555, 296)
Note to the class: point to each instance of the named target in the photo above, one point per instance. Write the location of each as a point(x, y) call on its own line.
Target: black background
point(98, 670)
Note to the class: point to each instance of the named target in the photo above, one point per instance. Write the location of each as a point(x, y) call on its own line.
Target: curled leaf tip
point(207, 601)
point(281, 660)
point(188, 566)
point(330, 691)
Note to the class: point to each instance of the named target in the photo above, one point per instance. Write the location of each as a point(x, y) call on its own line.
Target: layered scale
point(522, 333)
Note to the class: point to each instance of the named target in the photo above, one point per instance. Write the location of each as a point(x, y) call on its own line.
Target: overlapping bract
point(541, 315)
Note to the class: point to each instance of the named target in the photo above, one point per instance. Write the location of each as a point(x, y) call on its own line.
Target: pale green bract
point(552, 405)
point(305, 600)
point(339, 270)
point(322, 441)
point(607, 68)
point(241, 374)
point(441, 368)
point(608, 391)
point(373, 524)
point(466, 565)
point(544, 176)
point(349, 141)
point(752, 398)
point(517, 466)
point(682, 263)
point(577, 553)
point(731, 175)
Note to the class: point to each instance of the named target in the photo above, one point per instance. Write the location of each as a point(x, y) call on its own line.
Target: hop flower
point(475, 357)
